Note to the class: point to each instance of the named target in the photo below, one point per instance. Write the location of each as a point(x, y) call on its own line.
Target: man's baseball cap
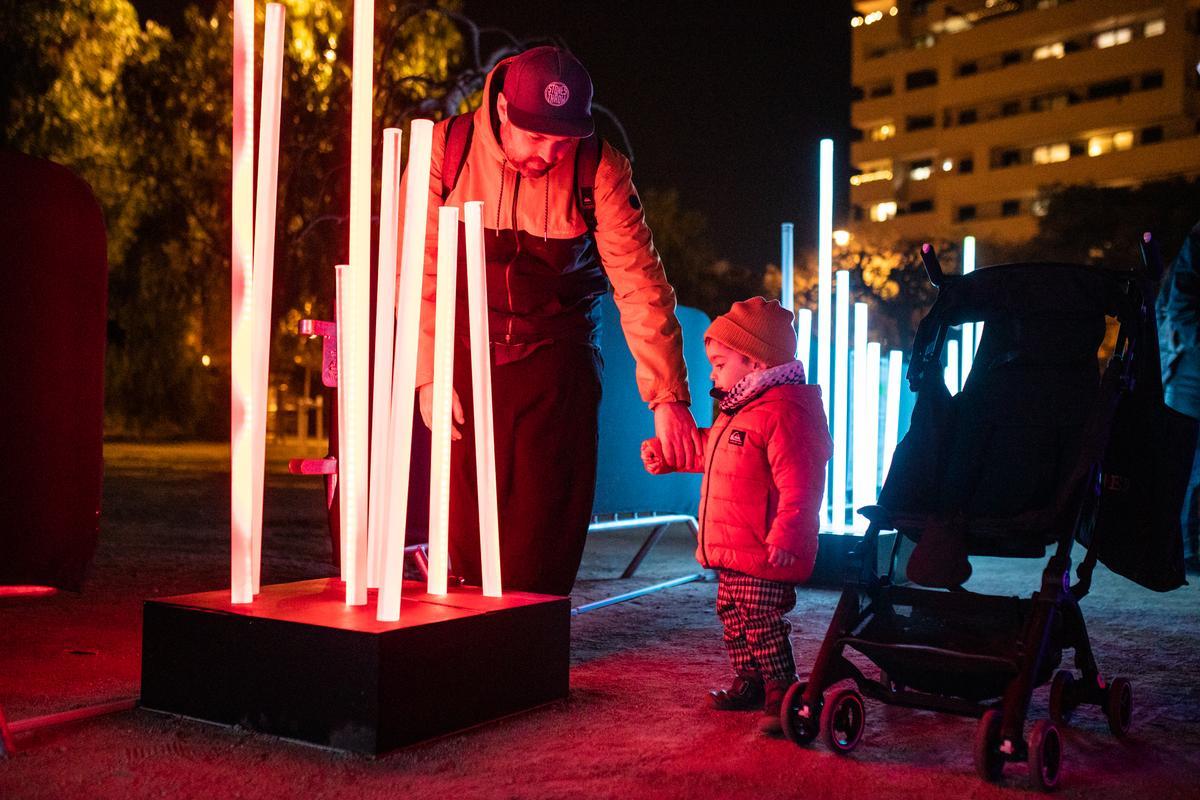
point(549, 92)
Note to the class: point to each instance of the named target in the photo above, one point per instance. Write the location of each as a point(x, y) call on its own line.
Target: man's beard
point(535, 169)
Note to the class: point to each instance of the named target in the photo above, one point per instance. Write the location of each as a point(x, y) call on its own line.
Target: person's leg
point(764, 605)
point(746, 691)
point(547, 494)
point(1190, 515)
point(464, 508)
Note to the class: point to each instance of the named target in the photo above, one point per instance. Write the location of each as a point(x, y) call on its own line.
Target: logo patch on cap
point(557, 94)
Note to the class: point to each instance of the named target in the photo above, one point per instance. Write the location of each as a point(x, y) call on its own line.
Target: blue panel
point(622, 485)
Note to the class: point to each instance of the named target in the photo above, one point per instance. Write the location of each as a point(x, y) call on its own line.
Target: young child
point(764, 476)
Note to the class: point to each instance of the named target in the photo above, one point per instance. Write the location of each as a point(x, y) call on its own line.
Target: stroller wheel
point(989, 761)
point(799, 724)
point(1045, 755)
point(1118, 707)
point(1062, 704)
point(843, 720)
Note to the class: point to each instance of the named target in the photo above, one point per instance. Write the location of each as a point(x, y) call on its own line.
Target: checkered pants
point(756, 628)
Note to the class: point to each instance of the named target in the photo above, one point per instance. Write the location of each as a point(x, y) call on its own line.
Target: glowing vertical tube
point(349, 486)
point(967, 350)
point(241, 449)
point(870, 449)
point(443, 384)
point(891, 413)
point(385, 323)
point(787, 266)
point(837, 505)
point(861, 485)
point(825, 271)
point(825, 288)
point(404, 367)
point(951, 371)
point(264, 271)
point(353, 464)
point(972, 332)
point(804, 319)
point(481, 392)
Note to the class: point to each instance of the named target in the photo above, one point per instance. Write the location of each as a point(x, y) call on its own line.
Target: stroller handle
point(933, 267)
point(1151, 257)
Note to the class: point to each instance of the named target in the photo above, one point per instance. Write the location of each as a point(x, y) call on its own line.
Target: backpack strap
point(458, 143)
point(587, 162)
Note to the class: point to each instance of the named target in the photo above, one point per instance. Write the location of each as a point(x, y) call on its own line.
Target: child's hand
point(652, 458)
point(779, 558)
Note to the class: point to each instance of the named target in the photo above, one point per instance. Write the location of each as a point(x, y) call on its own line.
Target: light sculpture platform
point(300, 663)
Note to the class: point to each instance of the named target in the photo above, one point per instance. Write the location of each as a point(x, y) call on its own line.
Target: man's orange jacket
point(545, 274)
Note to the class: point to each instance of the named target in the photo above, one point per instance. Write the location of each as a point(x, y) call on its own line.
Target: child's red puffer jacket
point(764, 477)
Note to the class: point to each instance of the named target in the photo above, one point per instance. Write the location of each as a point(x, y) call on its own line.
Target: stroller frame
point(1053, 619)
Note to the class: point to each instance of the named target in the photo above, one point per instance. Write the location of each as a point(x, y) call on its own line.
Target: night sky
point(723, 103)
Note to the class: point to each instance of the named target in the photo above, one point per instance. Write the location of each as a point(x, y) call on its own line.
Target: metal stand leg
point(660, 523)
point(8, 730)
point(652, 539)
point(420, 557)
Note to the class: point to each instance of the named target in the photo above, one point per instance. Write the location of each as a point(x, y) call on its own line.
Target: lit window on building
point(1108, 142)
point(1155, 27)
point(882, 132)
point(947, 165)
point(872, 171)
point(1039, 207)
point(1113, 37)
point(920, 170)
point(1051, 153)
point(1055, 50)
point(882, 212)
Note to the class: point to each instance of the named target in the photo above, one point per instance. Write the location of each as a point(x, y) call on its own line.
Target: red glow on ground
point(27, 591)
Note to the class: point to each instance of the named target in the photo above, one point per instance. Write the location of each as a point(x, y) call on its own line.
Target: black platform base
point(300, 663)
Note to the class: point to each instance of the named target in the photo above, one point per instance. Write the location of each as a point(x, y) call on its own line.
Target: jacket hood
point(487, 123)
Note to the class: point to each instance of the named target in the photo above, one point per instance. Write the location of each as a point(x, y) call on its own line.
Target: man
point(1179, 342)
point(546, 272)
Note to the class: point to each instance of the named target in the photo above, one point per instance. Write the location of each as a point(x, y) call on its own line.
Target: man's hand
point(425, 400)
point(676, 430)
point(779, 558)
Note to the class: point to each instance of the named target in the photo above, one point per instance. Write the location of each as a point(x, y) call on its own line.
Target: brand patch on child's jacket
point(737, 437)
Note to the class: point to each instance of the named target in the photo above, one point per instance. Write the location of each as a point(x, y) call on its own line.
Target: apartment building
point(966, 113)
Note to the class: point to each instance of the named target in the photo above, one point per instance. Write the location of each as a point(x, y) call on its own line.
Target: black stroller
point(1037, 450)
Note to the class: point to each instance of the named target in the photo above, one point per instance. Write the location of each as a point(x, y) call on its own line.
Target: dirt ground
point(635, 725)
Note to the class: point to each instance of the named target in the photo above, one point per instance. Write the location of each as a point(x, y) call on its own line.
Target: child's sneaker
point(745, 694)
point(772, 704)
